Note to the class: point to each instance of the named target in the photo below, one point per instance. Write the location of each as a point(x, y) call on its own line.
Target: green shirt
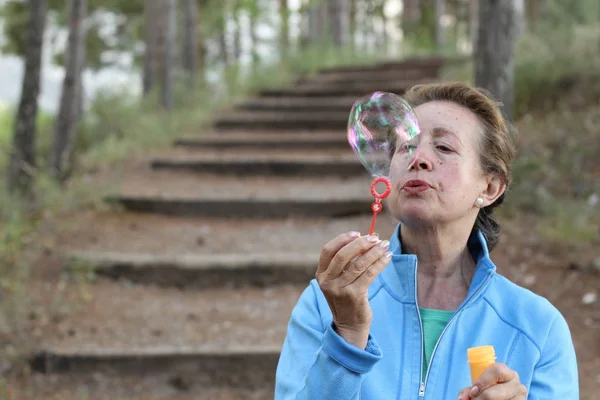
point(434, 322)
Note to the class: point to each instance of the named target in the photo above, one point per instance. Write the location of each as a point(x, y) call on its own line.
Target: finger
point(347, 253)
point(522, 393)
point(497, 373)
point(332, 247)
point(464, 394)
point(360, 264)
point(367, 277)
point(507, 390)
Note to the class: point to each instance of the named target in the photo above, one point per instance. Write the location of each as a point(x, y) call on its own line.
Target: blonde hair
point(498, 144)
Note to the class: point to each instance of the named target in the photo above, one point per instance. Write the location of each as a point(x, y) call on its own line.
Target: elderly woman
point(394, 319)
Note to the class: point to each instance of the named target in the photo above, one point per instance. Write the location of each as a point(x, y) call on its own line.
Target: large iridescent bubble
point(377, 124)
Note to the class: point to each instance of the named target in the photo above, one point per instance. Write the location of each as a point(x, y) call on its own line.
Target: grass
point(557, 174)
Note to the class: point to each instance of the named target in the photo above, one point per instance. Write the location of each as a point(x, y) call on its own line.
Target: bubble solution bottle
point(479, 359)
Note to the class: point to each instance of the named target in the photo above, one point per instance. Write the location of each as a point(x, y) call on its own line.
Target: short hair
point(498, 144)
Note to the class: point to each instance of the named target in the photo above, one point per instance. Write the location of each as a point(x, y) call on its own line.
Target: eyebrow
point(440, 131)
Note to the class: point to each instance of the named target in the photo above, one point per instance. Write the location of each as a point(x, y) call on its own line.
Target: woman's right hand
point(348, 265)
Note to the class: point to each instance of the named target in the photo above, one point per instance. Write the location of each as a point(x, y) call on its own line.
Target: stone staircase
point(213, 244)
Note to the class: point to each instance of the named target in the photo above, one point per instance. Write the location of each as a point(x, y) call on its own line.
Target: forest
point(185, 71)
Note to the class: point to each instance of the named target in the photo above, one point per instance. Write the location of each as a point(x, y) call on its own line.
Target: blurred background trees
point(195, 54)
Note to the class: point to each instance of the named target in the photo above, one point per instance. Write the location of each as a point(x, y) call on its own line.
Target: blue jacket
point(529, 335)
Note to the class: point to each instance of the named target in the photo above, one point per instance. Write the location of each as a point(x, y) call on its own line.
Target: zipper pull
point(422, 390)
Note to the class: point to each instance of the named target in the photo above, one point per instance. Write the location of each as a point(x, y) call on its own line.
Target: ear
point(495, 188)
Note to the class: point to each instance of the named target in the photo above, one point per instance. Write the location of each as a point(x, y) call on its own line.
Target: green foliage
point(128, 17)
point(14, 15)
point(548, 65)
point(128, 13)
point(560, 15)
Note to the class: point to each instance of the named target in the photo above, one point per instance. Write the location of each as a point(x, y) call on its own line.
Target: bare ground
point(112, 313)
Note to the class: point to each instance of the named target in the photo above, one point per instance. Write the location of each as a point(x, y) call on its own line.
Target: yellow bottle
point(480, 358)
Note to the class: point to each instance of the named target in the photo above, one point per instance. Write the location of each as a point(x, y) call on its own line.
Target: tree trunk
point(151, 42)
point(352, 23)
point(495, 48)
point(440, 11)
point(222, 33)
point(521, 20)
point(254, 37)
point(284, 27)
point(170, 42)
point(190, 42)
point(318, 23)
point(313, 24)
point(340, 21)
point(237, 37)
point(411, 16)
point(473, 22)
point(534, 12)
point(385, 38)
point(66, 120)
point(22, 158)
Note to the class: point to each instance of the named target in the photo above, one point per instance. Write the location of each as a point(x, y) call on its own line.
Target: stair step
point(340, 162)
point(198, 195)
point(361, 85)
point(201, 271)
point(284, 120)
point(221, 337)
point(382, 76)
point(408, 63)
point(298, 104)
point(284, 141)
point(216, 242)
point(97, 386)
point(357, 90)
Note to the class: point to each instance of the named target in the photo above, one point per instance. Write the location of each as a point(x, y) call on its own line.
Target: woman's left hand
point(498, 382)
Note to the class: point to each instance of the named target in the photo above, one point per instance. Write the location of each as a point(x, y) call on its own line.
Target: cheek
point(455, 183)
point(451, 179)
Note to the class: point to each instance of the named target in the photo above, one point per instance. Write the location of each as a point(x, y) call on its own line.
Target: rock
point(529, 280)
point(593, 200)
point(589, 298)
point(180, 383)
point(595, 265)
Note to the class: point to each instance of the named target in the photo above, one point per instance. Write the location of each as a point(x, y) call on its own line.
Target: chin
point(412, 214)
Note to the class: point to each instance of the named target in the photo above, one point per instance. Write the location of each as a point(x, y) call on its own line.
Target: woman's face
point(437, 177)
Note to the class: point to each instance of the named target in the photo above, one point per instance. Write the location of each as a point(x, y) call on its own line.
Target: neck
point(446, 266)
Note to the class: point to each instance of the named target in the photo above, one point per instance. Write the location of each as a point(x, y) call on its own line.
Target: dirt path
point(138, 335)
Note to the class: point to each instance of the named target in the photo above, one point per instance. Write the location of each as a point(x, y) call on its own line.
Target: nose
point(419, 162)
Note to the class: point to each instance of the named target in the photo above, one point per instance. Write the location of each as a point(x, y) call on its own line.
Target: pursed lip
point(416, 184)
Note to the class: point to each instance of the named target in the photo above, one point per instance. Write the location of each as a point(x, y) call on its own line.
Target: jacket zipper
point(424, 382)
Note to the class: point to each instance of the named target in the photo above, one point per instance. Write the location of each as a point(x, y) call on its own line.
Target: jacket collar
point(399, 277)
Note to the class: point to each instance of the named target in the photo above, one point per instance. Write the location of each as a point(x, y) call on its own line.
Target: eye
point(444, 148)
point(406, 148)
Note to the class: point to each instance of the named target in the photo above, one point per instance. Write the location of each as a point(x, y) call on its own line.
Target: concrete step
point(274, 120)
point(97, 386)
point(200, 271)
point(384, 76)
point(279, 141)
point(120, 241)
point(298, 104)
point(220, 338)
point(341, 162)
point(409, 63)
point(355, 90)
point(362, 85)
point(199, 195)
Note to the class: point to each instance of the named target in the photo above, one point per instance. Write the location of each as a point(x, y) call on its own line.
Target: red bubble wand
point(376, 207)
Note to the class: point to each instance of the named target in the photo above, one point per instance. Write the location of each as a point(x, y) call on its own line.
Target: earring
point(479, 202)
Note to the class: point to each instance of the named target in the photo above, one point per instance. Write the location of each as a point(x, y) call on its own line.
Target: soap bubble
point(377, 124)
